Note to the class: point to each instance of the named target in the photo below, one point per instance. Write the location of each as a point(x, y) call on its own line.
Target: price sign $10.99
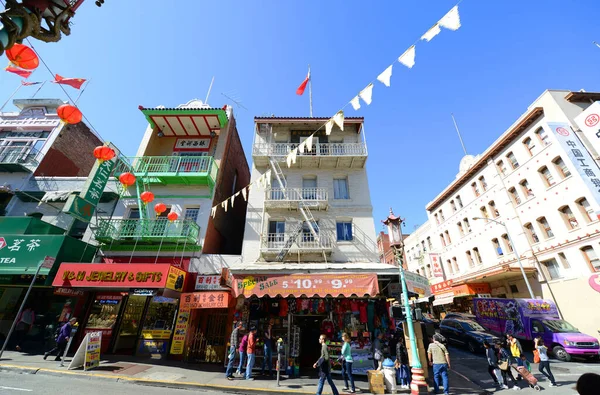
point(316, 283)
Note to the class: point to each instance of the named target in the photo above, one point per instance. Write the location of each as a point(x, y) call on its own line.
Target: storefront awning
point(322, 285)
point(447, 299)
point(110, 275)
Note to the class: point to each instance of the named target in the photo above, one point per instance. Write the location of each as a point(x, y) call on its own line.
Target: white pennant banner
point(355, 103)
point(385, 77)
point(431, 33)
point(301, 147)
point(339, 119)
point(244, 193)
point(224, 205)
point(451, 20)
point(213, 211)
point(328, 127)
point(367, 94)
point(309, 141)
point(288, 159)
point(408, 57)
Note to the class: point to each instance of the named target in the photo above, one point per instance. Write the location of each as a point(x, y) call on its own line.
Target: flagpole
point(38, 89)
point(598, 45)
point(11, 96)
point(209, 89)
point(83, 90)
point(310, 91)
point(459, 136)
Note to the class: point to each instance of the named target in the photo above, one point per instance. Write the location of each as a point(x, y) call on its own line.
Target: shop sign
point(589, 123)
point(394, 290)
point(181, 325)
point(143, 292)
point(226, 277)
point(436, 265)
point(107, 275)
point(153, 347)
point(23, 253)
point(204, 300)
point(442, 287)
point(306, 284)
point(197, 144)
point(156, 334)
point(175, 279)
point(206, 283)
point(92, 351)
point(471, 289)
point(417, 284)
point(68, 292)
point(594, 282)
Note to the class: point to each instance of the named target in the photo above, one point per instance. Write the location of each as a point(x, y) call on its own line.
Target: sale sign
point(305, 284)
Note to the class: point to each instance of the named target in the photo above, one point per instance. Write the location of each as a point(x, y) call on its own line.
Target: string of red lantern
point(160, 208)
point(127, 179)
point(173, 216)
point(147, 197)
point(69, 114)
point(22, 56)
point(104, 153)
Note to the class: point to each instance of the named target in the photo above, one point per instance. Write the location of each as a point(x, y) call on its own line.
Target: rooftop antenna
point(459, 136)
point(236, 102)
point(209, 89)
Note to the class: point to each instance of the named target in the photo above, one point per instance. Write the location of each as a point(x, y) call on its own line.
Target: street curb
point(149, 382)
point(484, 391)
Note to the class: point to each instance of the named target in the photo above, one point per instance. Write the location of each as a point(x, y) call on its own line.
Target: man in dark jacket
point(324, 368)
point(62, 340)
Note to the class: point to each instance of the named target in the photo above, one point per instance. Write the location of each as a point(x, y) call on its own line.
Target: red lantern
point(173, 216)
point(69, 114)
point(104, 153)
point(23, 56)
point(147, 197)
point(160, 208)
point(127, 179)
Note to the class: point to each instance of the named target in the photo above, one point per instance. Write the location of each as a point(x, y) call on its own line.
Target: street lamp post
point(514, 250)
point(394, 224)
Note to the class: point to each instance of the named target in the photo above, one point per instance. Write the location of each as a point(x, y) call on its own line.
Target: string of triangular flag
point(450, 21)
point(263, 181)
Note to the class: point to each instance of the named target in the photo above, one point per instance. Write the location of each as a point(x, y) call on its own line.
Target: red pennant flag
point(18, 71)
point(302, 87)
point(74, 82)
point(27, 83)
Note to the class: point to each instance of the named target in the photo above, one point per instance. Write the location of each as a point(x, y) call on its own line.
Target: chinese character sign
point(417, 284)
point(589, 123)
point(579, 158)
point(23, 253)
point(204, 283)
point(198, 144)
point(436, 265)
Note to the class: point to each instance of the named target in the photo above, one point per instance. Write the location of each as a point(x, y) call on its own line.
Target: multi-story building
point(530, 186)
point(386, 253)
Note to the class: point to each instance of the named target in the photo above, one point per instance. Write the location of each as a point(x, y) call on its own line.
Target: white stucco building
point(545, 192)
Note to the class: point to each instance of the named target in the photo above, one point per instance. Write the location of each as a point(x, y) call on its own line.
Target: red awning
point(305, 284)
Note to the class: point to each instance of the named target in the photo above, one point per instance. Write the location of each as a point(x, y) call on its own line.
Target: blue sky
point(505, 55)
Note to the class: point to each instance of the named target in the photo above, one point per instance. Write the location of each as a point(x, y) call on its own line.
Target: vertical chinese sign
point(436, 265)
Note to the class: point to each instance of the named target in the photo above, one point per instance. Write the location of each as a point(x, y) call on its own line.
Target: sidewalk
point(174, 374)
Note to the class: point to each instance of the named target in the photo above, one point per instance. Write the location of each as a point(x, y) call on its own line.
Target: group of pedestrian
point(246, 348)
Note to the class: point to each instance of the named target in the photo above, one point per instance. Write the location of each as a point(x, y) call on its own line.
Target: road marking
point(15, 389)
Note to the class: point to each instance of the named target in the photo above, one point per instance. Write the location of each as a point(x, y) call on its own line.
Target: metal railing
point(172, 164)
point(148, 229)
point(297, 194)
point(319, 149)
point(19, 154)
point(305, 241)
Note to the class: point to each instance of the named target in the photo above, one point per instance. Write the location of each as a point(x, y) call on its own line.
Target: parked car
point(466, 333)
point(463, 316)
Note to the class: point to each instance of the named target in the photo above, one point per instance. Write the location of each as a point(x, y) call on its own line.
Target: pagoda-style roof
point(186, 121)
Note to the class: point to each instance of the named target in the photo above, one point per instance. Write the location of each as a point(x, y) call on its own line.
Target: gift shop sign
point(197, 144)
point(107, 275)
point(442, 287)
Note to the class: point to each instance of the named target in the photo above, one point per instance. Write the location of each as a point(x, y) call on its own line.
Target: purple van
point(529, 318)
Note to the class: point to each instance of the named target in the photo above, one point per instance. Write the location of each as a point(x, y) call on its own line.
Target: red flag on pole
point(74, 82)
point(302, 87)
point(18, 71)
point(27, 83)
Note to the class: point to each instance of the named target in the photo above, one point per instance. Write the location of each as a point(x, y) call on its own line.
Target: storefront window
point(161, 315)
point(104, 312)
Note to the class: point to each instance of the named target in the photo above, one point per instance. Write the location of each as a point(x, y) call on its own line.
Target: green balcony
point(148, 231)
point(172, 170)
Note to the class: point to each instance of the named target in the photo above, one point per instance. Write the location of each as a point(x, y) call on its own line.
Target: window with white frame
point(442, 215)
point(494, 211)
point(461, 231)
point(561, 167)
point(569, 218)
point(563, 260)
point(467, 225)
point(513, 160)
point(552, 268)
point(530, 230)
point(526, 189)
point(475, 189)
point(497, 247)
point(484, 212)
point(442, 240)
point(545, 226)
point(507, 243)
point(447, 235)
point(455, 265)
point(344, 231)
point(459, 202)
point(592, 259)
point(502, 167)
point(477, 256)
point(449, 266)
point(546, 176)
point(529, 144)
point(340, 188)
point(470, 258)
point(483, 183)
point(585, 209)
point(453, 205)
point(514, 195)
point(542, 136)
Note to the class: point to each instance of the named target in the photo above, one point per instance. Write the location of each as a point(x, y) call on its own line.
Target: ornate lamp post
point(394, 224)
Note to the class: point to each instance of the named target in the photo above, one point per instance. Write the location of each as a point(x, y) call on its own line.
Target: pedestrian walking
point(378, 351)
point(242, 350)
point(515, 349)
point(62, 340)
point(504, 358)
point(544, 366)
point(439, 359)
point(268, 350)
point(493, 368)
point(588, 384)
point(324, 368)
point(24, 325)
point(251, 350)
point(402, 364)
point(347, 364)
point(233, 348)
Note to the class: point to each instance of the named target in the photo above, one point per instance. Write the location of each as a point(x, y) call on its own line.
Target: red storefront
point(133, 305)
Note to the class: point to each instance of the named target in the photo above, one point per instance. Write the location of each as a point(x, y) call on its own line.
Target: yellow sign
point(178, 343)
point(156, 334)
point(175, 279)
point(92, 350)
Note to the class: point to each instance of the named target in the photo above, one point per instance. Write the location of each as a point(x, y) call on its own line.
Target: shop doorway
point(310, 330)
point(130, 325)
point(210, 335)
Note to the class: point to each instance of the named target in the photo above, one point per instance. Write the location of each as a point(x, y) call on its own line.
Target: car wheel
point(561, 354)
point(472, 347)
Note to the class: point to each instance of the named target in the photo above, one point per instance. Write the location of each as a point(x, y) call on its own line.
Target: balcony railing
point(319, 149)
point(305, 242)
point(199, 170)
point(18, 156)
point(148, 230)
point(291, 197)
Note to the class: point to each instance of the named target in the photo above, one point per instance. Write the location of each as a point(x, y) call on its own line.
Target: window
point(561, 167)
point(428, 271)
point(529, 144)
point(77, 229)
point(592, 258)
point(552, 269)
point(437, 219)
point(455, 265)
point(460, 228)
point(484, 212)
point(542, 136)
point(507, 243)
point(459, 201)
point(585, 209)
point(344, 231)
point(526, 189)
point(533, 237)
point(453, 205)
point(545, 226)
point(546, 176)
point(309, 188)
point(497, 247)
point(477, 256)
point(512, 159)
point(513, 288)
point(493, 209)
point(467, 225)
point(276, 232)
point(501, 166)
point(569, 217)
point(429, 243)
point(307, 234)
point(470, 259)
point(475, 189)
point(483, 183)
point(423, 245)
point(449, 241)
point(442, 216)
point(514, 195)
point(191, 213)
point(442, 240)
point(563, 260)
point(449, 266)
point(340, 188)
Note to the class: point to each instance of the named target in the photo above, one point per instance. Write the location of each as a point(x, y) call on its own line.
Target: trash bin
point(389, 375)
